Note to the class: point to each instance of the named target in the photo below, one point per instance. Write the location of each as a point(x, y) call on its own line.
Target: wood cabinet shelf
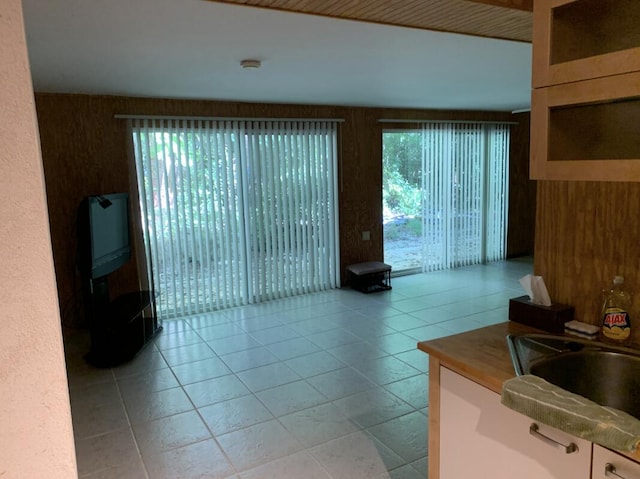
point(587, 130)
point(585, 106)
point(577, 40)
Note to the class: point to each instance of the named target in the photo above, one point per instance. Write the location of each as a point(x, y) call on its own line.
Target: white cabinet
point(479, 437)
point(609, 465)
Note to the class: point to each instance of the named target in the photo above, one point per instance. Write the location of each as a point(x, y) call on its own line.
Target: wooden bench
point(370, 277)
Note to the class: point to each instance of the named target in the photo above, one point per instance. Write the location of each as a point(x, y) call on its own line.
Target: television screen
point(104, 233)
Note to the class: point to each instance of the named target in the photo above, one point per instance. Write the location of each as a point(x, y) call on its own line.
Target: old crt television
point(103, 234)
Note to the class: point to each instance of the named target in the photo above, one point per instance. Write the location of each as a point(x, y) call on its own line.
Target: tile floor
point(322, 386)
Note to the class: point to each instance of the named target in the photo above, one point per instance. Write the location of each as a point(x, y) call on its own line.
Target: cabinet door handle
point(610, 471)
point(570, 448)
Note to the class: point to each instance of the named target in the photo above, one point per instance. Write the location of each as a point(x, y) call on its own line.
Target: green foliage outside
point(402, 173)
point(402, 198)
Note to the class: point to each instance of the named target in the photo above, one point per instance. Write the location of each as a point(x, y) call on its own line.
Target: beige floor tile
point(314, 364)
point(215, 390)
point(258, 444)
point(219, 331)
point(318, 424)
point(292, 348)
point(405, 472)
point(196, 461)
point(147, 360)
point(297, 466)
point(93, 419)
point(188, 354)
point(274, 335)
point(154, 405)
point(179, 337)
point(416, 359)
point(333, 421)
point(405, 435)
point(106, 451)
point(341, 383)
point(385, 370)
point(290, 398)
point(249, 359)
point(228, 416)
point(356, 456)
point(132, 470)
point(269, 376)
point(413, 390)
point(233, 344)
point(171, 432)
point(145, 383)
point(200, 370)
point(333, 338)
point(373, 407)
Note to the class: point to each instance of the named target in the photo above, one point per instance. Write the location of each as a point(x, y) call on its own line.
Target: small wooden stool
point(370, 277)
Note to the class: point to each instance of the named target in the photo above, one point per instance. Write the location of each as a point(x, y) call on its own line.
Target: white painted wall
point(36, 434)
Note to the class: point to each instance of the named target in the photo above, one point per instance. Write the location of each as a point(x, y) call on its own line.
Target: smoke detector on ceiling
point(250, 64)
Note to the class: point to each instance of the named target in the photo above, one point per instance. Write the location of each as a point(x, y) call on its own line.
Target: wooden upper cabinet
point(587, 131)
point(585, 106)
point(577, 40)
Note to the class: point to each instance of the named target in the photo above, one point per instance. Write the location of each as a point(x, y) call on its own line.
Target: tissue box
point(548, 318)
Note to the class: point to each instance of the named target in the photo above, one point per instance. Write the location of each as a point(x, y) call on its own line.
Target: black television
point(103, 234)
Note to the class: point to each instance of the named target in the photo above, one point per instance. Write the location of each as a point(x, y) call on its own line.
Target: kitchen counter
point(481, 355)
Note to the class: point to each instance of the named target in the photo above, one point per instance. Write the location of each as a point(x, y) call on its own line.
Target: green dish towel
point(574, 414)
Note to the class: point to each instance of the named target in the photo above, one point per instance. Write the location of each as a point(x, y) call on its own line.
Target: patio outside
point(402, 242)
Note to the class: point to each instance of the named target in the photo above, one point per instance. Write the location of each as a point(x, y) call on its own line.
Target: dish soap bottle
point(615, 312)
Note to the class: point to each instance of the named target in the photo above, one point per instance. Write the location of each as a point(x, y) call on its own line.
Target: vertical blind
point(465, 193)
point(237, 211)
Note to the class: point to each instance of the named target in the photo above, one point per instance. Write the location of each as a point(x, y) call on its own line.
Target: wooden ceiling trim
point(409, 16)
point(338, 9)
point(510, 20)
point(526, 5)
point(375, 10)
point(481, 23)
point(485, 21)
point(332, 8)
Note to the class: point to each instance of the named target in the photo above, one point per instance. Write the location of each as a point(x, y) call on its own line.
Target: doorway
point(445, 195)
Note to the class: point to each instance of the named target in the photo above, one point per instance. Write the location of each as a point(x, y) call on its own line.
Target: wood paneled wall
point(522, 191)
point(586, 233)
point(84, 151)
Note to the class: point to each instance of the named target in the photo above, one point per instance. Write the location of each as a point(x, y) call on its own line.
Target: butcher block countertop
point(481, 355)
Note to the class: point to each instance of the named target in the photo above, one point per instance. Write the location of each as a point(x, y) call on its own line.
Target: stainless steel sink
point(606, 374)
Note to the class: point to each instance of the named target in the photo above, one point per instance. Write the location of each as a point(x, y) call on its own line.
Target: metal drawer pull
point(570, 448)
point(610, 471)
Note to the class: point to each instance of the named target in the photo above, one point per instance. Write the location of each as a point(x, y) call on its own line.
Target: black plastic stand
point(119, 329)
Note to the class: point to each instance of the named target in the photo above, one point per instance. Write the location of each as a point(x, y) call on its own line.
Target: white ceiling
point(192, 49)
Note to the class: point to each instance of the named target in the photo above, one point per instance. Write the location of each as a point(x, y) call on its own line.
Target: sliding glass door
point(452, 178)
point(402, 199)
point(236, 212)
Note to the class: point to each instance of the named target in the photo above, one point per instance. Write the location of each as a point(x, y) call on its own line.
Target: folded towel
point(569, 412)
point(582, 330)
